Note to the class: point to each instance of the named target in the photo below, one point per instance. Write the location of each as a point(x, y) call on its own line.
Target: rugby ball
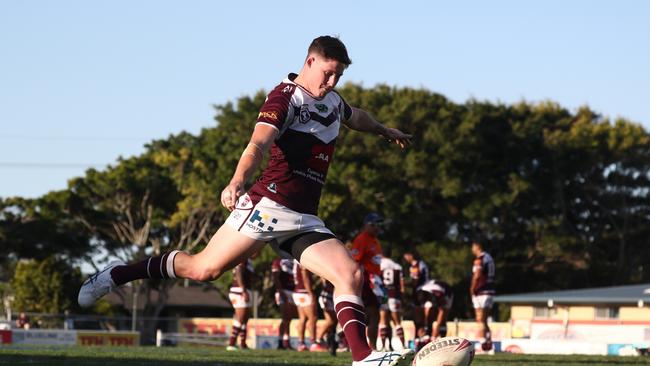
point(449, 351)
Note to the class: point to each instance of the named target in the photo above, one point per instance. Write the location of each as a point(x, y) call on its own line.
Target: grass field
point(107, 356)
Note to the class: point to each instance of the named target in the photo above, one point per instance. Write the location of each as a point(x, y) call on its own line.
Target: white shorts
point(393, 305)
point(270, 221)
point(288, 294)
point(482, 301)
point(236, 296)
point(302, 299)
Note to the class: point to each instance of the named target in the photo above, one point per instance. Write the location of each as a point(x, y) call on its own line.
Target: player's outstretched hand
point(399, 137)
point(231, 193)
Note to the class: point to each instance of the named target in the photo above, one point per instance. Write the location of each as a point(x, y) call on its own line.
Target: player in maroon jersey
point(282, 273)
point(391, 310)
point(241, 299)
point(482, 291)
point(299, 123)
point(418, 276)
point(303, 297)
point(438, 297)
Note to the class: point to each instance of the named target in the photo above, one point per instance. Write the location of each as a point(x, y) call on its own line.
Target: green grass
point(182, 356)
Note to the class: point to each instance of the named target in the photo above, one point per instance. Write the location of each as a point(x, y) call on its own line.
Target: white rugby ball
point(449, 351)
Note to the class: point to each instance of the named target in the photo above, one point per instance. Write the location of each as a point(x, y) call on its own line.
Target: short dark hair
point(331, 48)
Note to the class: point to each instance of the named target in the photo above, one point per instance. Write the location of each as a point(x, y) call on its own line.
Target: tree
point(45, 286)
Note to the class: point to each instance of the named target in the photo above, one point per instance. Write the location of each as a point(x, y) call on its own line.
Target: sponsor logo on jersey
point(269, 115)
point(261, 221)
point(287, 89)
point(305, 116)
point(323, 157)
point(272, 187)
point(321, 107)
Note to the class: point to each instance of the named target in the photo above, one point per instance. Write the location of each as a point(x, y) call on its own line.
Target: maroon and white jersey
point(302, 152)
point(298, 281)
point(391, 276)
point(247, 274)
point(284, 267)
point(484, 265)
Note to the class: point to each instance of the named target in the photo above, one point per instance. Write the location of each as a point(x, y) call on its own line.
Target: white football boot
point(403, 358)
point(97, 285)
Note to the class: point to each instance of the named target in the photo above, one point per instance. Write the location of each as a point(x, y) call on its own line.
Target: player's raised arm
point(251, 158)
point(361, 120)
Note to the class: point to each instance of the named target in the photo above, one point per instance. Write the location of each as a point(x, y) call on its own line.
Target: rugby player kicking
point(299, 124)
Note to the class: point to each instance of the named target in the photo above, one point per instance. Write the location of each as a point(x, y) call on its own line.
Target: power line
point(25, 165)
point(75, 138)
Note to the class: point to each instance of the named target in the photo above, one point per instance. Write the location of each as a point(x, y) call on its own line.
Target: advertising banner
point(91, 338)
point(50, 337)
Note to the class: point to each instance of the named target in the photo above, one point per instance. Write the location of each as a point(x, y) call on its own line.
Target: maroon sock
point(243, 334)
point(234, 332)
point(286, 341)
point(383, 334)
point(351, 316)
point(153, 267)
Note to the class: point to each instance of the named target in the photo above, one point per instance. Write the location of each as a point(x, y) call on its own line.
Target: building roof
point(179, 296)
point(630, 294)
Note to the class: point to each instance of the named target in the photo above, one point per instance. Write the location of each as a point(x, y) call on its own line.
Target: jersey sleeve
point(346, 109)
point(275, 110)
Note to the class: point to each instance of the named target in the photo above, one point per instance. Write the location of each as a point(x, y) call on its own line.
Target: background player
point(326, 334)
point(282, 273)
point(367, 251)
point(418, 276)
point(241, 299)
point(303, 297)
point(299, 122)
point(438, 297)
point(482, 291)
point(391, 310)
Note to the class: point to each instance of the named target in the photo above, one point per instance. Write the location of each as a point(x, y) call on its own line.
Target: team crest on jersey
point(321, 107)
point(305, 115)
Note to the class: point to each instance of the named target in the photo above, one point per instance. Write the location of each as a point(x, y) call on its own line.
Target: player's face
point(476, 250)
point(324, 74)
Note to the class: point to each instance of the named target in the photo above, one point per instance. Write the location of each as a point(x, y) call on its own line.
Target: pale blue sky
point(83, 82)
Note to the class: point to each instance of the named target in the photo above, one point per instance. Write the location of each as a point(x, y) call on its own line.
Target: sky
point(83, 83)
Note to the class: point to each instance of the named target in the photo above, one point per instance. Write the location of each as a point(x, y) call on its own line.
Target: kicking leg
point(226, 249)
